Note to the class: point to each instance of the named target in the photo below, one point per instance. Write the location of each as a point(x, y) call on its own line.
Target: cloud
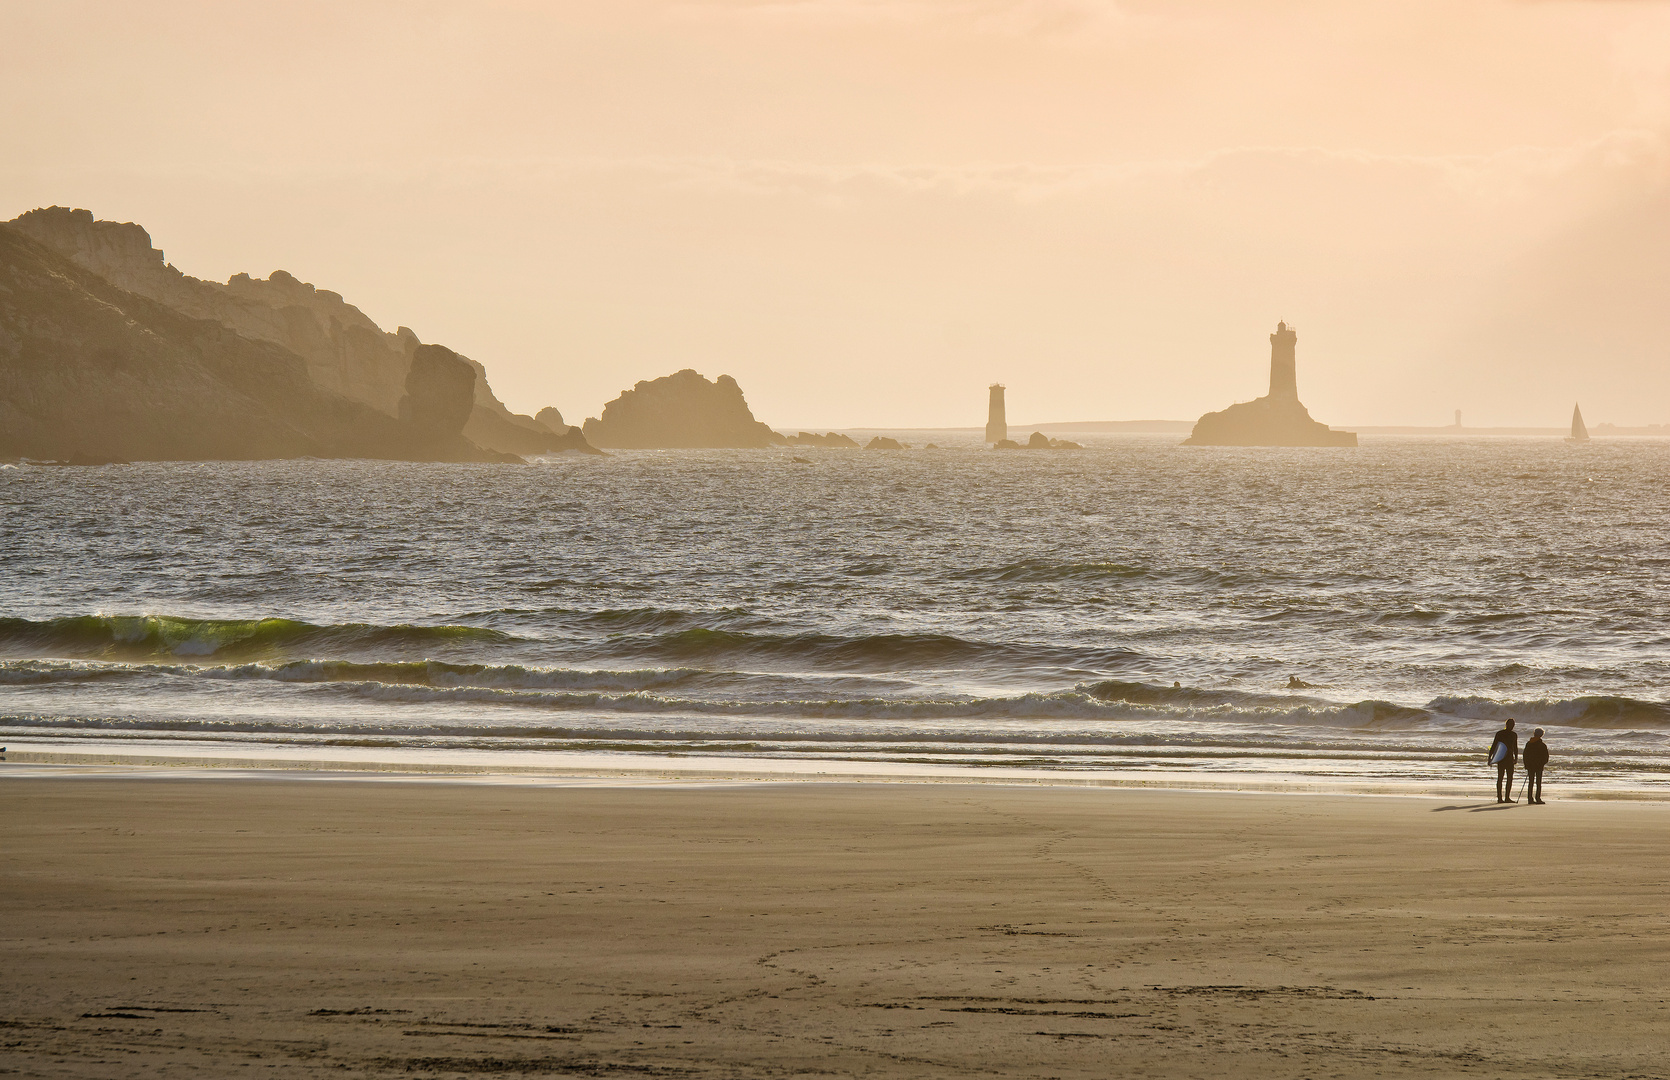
point(1513, 174)
point(1059, 21)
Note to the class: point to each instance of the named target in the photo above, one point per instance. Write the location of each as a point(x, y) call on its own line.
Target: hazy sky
point(867, 210)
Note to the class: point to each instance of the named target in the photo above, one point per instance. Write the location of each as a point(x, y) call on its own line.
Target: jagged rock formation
point(1264, 422)
point(568, 438)
point(882, 442)
point(345, 352)
point(832, 439)
point(1278, 418)
point(90, 372)
point(506, 431)
point(440, 391)
point(680, 411)
point(1038, 441)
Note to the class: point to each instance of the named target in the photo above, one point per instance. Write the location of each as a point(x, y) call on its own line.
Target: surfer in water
point(1536, 758)
point(1504, 751)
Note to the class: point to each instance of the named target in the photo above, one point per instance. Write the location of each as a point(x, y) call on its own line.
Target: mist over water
point(1134, 605)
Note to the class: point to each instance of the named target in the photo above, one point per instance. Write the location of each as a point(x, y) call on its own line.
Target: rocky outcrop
point(489, 428)
point(1266, 422)
point(440, 391)
point(569, 439)
point(832, 440)
point(343, 350)
point(90, 372)
point(680, 411)
point(882, 442)
point(1276, 419)
point(1038, 441)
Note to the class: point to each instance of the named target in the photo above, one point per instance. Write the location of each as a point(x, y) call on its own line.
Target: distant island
point(1276, 419)
point(113, 354)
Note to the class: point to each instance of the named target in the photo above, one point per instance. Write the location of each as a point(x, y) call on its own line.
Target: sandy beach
point(312, 927)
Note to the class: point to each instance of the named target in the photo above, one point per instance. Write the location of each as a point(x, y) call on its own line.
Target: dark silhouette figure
point(1509, 740)
point(1536, 759)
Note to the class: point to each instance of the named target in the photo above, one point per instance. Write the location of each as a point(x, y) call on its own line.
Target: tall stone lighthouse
point(997, 421)
point(1276, 419)
point(1284, 382)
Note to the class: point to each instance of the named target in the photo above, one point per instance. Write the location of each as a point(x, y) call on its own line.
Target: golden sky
point(867, 210)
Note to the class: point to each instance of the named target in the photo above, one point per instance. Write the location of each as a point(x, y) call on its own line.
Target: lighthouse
point(1284, 382)
point(1278, 418)
point(997, 422)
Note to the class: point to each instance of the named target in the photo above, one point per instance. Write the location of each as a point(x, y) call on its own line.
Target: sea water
point(1135, 605)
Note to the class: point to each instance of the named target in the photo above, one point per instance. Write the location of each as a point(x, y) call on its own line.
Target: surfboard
point(1500, 754)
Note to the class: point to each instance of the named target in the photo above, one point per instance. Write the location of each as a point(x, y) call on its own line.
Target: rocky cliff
point(440, 391)
point(344, 351)
point(682, 410)
point(91, 372)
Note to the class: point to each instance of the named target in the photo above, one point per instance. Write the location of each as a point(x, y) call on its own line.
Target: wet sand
point(279, 927)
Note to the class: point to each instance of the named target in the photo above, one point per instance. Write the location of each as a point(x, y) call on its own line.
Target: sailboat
point(1579, 433)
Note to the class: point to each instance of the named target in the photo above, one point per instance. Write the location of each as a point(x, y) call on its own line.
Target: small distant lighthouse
point(997, 421)
point(1284, 382)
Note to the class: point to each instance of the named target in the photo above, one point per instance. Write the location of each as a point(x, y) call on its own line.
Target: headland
point(193, 369)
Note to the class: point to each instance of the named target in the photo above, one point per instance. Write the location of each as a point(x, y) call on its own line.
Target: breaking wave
point(1592, 711)
point(158, 647)
point(868, 652)
point(154, 636)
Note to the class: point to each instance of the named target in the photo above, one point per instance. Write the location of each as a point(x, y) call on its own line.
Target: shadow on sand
point(1475, 808)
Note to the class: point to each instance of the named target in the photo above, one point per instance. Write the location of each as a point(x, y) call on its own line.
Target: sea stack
point(680, 411)
point(1276, 419)
point(997, 421)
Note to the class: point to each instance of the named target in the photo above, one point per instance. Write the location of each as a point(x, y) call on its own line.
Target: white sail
point(1578, 431)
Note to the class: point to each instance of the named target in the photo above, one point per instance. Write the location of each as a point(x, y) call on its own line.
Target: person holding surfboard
point(1536, 759)
point(1504, 751)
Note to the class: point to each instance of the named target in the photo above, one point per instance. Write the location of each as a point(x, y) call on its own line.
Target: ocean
point(1368, 615)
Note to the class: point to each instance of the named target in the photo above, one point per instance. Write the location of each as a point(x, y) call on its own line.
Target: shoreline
point(42, 758)
point(211, 924)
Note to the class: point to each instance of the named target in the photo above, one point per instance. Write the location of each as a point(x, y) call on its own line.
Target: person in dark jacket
point(1536, 758)
point(1508, 739)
